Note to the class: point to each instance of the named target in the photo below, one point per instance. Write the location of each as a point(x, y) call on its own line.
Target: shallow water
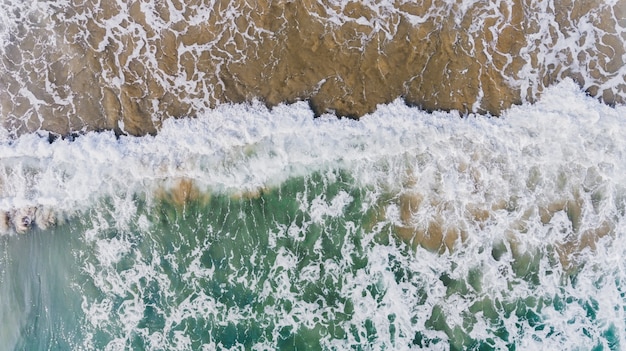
point(257, 226)
point(247, 228)
point(71, 65)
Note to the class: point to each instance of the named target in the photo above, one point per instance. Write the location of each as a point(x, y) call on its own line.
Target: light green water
point(270, 272)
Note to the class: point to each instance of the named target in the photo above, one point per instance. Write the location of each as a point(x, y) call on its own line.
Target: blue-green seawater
point(256, 229)
point(258, 272)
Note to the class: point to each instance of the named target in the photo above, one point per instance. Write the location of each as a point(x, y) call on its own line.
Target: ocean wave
point(255, 228)
point(566, 144)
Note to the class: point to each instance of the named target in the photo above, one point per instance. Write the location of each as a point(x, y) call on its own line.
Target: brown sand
point(436, 234)
point(181, 192)
point(79, 69)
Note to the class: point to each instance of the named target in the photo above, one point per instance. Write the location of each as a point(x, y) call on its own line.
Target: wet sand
point(127, 66)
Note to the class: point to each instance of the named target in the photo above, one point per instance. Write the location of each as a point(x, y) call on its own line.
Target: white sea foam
point(249, 147)
point(566, 147)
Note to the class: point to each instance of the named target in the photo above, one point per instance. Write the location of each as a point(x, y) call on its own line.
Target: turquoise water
point(262, 273)
point(253, 229)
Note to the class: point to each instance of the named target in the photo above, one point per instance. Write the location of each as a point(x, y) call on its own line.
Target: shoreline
point(71, 136)
point(127, 67)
